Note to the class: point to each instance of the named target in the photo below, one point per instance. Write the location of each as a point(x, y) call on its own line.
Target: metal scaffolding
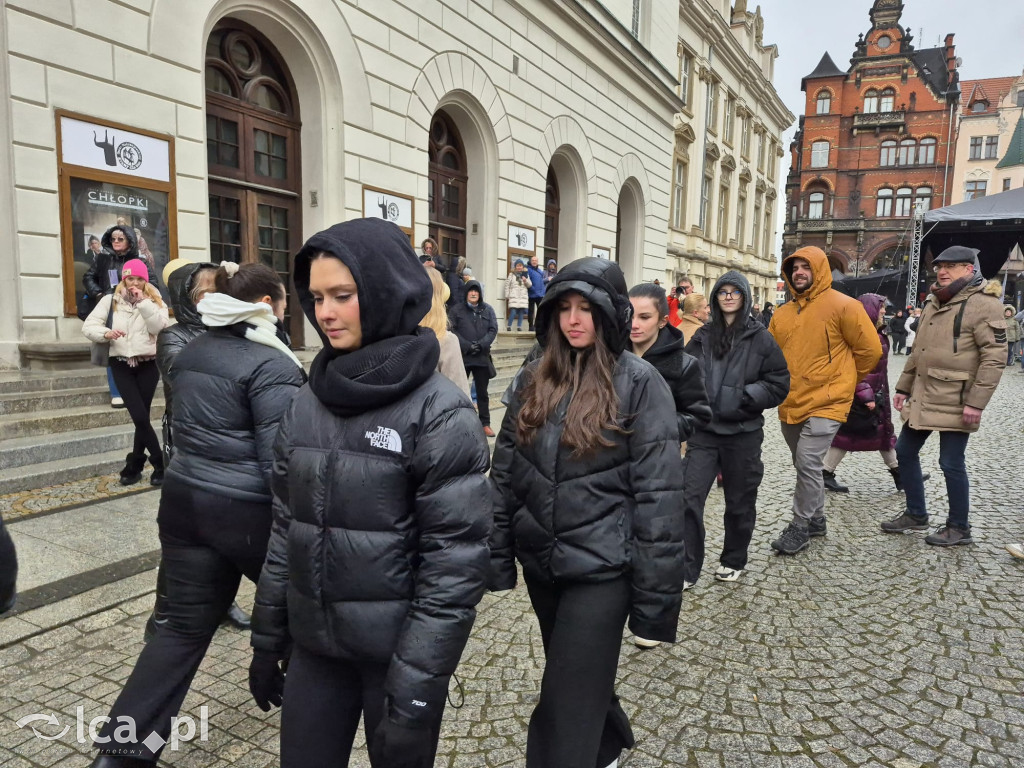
point(915, 257)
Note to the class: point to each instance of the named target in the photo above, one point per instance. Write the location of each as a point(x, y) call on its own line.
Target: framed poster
point(390, 206)
point(111, 174)
point(601, 252)
point(522, 244)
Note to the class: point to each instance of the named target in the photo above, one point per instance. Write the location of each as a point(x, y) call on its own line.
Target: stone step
point(53, 400)
point(38, 449)
point(50, 473)
point(50, 381)
point(69, 420)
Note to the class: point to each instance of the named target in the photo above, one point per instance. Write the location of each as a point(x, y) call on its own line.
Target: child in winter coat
point(517, 295)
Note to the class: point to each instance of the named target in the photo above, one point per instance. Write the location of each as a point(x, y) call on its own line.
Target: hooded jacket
point(96, 279)
point(189, 325)
point(751, 378)
point(378, 550)
point(958, 358)
point(474, 324)
point(683, 374)
point(828, 340)
point(517, 289)
point(1012, 328)
point(614, 513)
point(141, 322)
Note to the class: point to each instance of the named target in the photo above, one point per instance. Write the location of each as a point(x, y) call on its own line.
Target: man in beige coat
point(956, 364)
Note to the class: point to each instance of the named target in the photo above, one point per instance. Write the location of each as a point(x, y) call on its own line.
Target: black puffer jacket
point(615, 512)
point(231, 396)
point(474, 324)
point(97, 278)
point(683, 374)
point(8, 570)
point(189, 325)
point(751, 378)
point(381, 501)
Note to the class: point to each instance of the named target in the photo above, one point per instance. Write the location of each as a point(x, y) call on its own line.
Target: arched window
point(923, 199)
point(884, 205)
point(824, 103)
point(816, 205)
point(888, 156)
point(926, 155)
point(908, 152)
point(871, 102)
point(888, 100)
point(819, 154)
point(447, 178)
point(903, 201)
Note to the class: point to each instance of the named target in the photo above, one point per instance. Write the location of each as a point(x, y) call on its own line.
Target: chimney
point(950, 55)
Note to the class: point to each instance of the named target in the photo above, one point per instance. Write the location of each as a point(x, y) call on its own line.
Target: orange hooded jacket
point(829, 344)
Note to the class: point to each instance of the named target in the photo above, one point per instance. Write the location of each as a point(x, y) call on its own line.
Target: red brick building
point(874, 141)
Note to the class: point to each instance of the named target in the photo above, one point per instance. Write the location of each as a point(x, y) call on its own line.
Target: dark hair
point(653, 292)
point(250, 283)
point(93, 239)
point(722, 334)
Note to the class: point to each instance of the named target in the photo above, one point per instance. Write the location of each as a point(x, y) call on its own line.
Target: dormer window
point(979, 106)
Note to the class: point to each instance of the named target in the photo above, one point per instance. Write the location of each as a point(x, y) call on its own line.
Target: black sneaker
point(792, 540)
point(816, 526)
point(905, 524)
point(831, 484)
point(948, 536)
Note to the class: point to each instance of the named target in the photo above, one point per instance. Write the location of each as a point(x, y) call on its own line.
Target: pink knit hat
point(135, 268)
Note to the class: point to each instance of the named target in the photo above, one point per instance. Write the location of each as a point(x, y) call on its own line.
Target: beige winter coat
point(450, 364)
point(516, 291)
point(943, 373)
point(141, 324)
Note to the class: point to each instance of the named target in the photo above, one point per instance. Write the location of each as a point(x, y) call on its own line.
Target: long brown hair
point(587, 375)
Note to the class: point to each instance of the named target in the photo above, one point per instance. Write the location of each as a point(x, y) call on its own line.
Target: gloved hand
point(266, 680)
point(475, 348)
point(402, 744)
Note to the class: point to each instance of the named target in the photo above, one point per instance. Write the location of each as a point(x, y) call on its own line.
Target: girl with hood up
point(745, 374)
point(476, 326)
point(550, 271)
point(587, 490)
point(378, 554)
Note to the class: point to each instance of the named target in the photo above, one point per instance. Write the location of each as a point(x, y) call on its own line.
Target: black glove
point(266, 680)
point(475, 348)
point(402, 744)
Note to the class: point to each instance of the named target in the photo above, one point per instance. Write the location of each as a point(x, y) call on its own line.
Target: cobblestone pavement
point(864, 650)
point(27, 503)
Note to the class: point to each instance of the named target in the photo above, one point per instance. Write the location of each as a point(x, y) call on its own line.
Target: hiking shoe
point(816, 526)
point(905, 524)
point(948, 536)
point(642, 642)
point(792, 540)
point(1017, 550)
point(728, 574)
point(831, 484)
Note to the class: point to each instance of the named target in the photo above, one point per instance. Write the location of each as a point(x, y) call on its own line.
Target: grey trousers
point(809, 441)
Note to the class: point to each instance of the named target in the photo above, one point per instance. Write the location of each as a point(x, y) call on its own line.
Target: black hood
point(133, 243)
point(474, 285)
point(600, 282)
point(731, 277)
point(179, 292)
point(669, 340)
point(394, 288)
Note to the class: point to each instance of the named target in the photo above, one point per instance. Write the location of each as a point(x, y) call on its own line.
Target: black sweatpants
point(208, 543)
point(137, 385)
point(738, 457)
point(578, 722)
point(323, 700)
point(481, 376)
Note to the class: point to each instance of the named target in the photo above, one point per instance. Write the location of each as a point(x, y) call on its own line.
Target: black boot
point(895, 472)
point(236, 617)
point(831, 484)
point(132, 472)
point(157, 478)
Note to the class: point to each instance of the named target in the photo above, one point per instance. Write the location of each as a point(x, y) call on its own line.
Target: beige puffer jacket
point(141, 324)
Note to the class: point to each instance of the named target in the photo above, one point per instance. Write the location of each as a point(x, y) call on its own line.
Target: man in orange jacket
point(830, 344)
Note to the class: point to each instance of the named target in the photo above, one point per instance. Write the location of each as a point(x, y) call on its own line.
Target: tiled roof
point(991, 89)
point(931, 64)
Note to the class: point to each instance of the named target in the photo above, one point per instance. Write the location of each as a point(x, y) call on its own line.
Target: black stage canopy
point(992, 224)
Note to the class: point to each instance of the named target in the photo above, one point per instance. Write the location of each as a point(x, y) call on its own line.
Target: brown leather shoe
point(488, 431)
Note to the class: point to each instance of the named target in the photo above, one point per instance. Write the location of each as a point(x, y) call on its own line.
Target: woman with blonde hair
point(450, 363)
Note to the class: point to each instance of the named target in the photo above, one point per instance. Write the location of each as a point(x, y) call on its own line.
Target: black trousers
point(578, 722)
point(898, 343)
point(208, 543)
point(481, 377)
point(739, 459)
point(532, 311)
point(323, 701)
point(137, 385)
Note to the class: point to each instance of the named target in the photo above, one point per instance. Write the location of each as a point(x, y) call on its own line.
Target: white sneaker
point(613, 764)
point(1017, 550)
point(727, 574)
point(642, 642)
point(117, 402)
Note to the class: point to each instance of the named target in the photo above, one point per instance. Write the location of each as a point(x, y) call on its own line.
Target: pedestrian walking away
point(830, 344)
point(951, 375)
point(587, 492)
point(378, 554)
point(475, 325)
point(231, 387)
point(898, 332)
point(745, 374)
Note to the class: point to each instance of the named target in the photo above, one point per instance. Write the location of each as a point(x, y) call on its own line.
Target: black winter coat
point(231, 395)
point(682, 372)
point(474, 324)
point(594, 518)
point(8, 570)
point(96, 279)
point(379, 546)
point(750, 379)
point(189, 326)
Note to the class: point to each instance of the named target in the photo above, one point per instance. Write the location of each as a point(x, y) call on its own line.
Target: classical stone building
point(874, 143)
point(990, 138)
point(725, 165)
point(235, 129)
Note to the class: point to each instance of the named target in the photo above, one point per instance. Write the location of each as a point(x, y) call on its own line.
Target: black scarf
point(375, 375)
point(943, 295)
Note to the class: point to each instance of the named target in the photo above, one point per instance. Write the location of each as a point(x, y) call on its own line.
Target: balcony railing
point(879, 119)
point(841, 225)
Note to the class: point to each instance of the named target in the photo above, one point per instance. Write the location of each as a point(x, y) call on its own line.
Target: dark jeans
point(898, 343)
point(739, 459)
point(578, 722)
point(208, 543)
point(137, 386)
point(481, 376)
point(952, 446)
point(534, 303)
point(324, 698)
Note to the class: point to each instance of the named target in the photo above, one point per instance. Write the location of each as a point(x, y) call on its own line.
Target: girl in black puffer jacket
point(378, 555)
point(588, 491)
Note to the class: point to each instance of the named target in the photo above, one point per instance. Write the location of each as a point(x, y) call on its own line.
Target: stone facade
point(990, 111)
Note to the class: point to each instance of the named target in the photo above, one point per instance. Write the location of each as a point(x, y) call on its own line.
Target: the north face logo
point(385, 438)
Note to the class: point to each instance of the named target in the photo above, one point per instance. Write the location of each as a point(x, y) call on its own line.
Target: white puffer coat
point(141, 323)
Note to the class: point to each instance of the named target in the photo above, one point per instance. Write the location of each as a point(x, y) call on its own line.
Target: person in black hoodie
point(378, 555)
point(215, 507)
point(8, 570)
point(476, 325)
point(745, 374)
point(587, 491)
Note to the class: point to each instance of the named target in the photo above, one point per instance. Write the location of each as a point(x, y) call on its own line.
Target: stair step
point(53, 400)
point(69, 420)
point(37, 449)
point(52, 473)
point(48, 381)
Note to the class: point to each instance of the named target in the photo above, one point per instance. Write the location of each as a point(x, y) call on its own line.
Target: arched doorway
point(447, 181)
point(253, 159)
point(552, 208)
point(629, 230)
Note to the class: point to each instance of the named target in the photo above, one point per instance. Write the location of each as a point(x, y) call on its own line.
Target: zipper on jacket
point(828, 344)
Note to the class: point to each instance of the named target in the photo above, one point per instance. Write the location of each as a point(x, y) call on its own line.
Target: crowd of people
point(364, 502)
